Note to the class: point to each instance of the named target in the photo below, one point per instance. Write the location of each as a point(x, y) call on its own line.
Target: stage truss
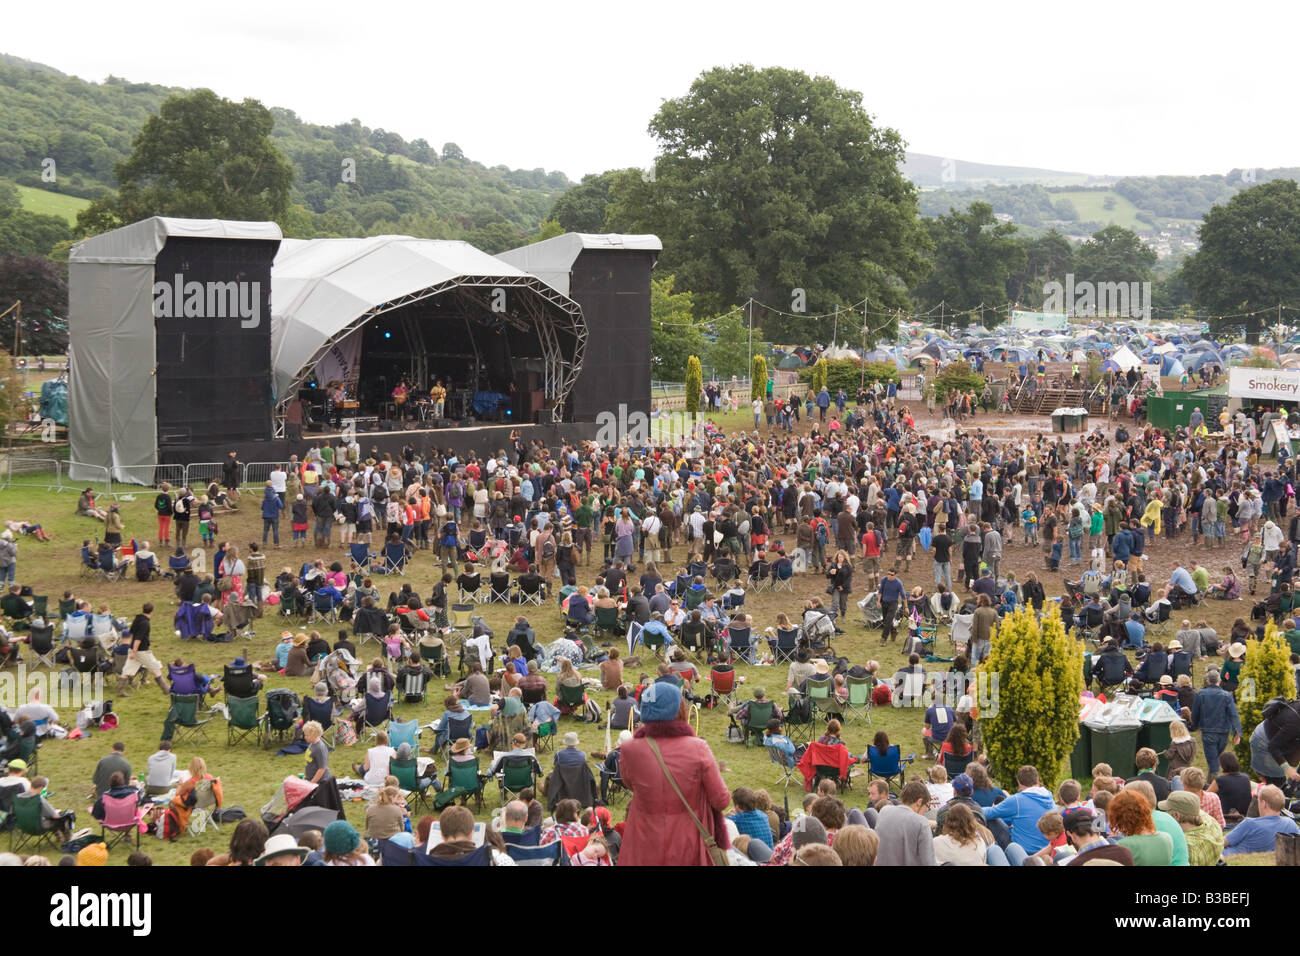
point(563, 318)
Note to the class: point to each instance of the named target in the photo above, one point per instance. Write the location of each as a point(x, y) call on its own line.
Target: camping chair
point(404, 732)
point(888, 765)
point(474, 597)
point(281, 718)
point(122, 818)
point(184, 717)
point(42, 644)
point(550, 855)
point(544, 736)
point(76, 628)
point(760, 576)
point(532, 594)
point(607, 621)
point(724, 685)
point(573, 698)
point(453, 729)
point(463, 781)
point(695, 597)
point(760, 712)
point(783, 575)
point(785, 645)
point(859, 700)
point(408, 778)
point(243, 721)
point(433, 652)
point(741, 643)
point(394, 559)
point(654, 641)
point(205, 804)
point(942, 615)
point(28, 748)
point(518, 772)
point(379, 711)
point(361, 556)
point(963, 625)
point(800, 718)
point(679, 586)
point(787, 764)
point(955, 765)
point(1090, 630)
point(462, 620)
point(733, 599)
point(1161, 624)
point(413, 685)
point(40, 606)
point(694, 639)
point(499, 588)
point(322, 608)
point(28, 826)
point(821, 691)
point(89, 563)
point(872, 616)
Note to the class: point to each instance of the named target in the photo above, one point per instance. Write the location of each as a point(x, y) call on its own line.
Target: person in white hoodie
point(1272, 541)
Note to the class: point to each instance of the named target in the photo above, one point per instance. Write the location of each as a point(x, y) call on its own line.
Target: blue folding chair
point(549, 855)
point(404, 732)
point(395, 558)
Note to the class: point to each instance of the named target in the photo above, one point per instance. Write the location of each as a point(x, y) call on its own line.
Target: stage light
point(387, 334)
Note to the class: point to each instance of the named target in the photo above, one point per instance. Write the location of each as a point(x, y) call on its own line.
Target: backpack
point(163, 504)
point(548, 547)
point(364, 509)
point(822, 536)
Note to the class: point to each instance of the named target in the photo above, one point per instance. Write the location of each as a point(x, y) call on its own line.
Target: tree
point(40, 285)
point(1034, 717)
point(848, 374)
point(1115, 254)
point(1048, 258)
point(1249, 258)
point(582, 208)
point(820, 375)
point(674, 333)
point(758, 378)
point(694, 385)
point(957, 377)
point(1266, 674)
point(769, 180)
point(200, 157)
point(973, 259)
point(14, 405)
point(729, 352)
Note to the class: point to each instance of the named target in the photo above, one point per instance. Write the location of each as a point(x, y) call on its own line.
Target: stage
point(481, 440)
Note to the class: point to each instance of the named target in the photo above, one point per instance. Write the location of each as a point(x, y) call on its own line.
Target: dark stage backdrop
point(613, 288)
point(213, 340)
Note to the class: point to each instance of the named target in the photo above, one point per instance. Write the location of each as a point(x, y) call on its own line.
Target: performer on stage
point(338, 395)
point(399, 399)
point(438, 395)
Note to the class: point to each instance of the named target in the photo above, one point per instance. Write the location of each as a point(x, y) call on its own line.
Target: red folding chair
point(122, 817)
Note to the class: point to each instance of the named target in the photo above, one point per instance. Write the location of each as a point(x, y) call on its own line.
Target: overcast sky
point(1105, 87)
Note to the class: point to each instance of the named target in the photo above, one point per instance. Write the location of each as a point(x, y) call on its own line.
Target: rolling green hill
point(48, 203)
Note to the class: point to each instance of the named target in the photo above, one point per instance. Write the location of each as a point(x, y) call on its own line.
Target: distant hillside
point(399, 186)
point(951, 173)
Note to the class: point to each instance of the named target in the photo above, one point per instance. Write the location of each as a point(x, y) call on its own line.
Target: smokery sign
point(1278, 384)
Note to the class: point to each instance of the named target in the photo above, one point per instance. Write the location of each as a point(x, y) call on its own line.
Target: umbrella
point(308, 818)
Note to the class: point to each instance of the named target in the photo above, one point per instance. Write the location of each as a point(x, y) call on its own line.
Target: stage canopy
point(325, 289)
point(113, 360)
point(553, 259)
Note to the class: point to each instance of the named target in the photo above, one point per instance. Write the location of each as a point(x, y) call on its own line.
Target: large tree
point(582, 208)
point(675, 335)
point(200, 157)
point(40, 285)
point(973, 259)
point(770, 181)
point(1115, 254)
point(1048, 258)
point(1249, 258)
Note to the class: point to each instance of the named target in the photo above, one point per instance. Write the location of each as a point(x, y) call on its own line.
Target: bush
point(848, 374)
point(820, 375)
point(694, 383)
point(758, 379)
point(958, 377)
point(1257, 359)
point(1039, 677)
point(1265, 675)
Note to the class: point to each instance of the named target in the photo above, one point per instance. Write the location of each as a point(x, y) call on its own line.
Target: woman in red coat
point(659, 831)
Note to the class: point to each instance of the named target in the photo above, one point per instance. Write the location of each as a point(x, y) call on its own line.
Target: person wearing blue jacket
point(272, 505)
point(1015, 819)
point(1121, 545)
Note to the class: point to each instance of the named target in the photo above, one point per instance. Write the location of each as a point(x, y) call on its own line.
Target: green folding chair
point(859, 703)
point(573, 697)
point(463, 781)
point(822, 694)
point(27, 827)
point(544, 736)
point(244, 720)
point(760, 712)
point(183, 719)
point(408, 778)
point(517, 774)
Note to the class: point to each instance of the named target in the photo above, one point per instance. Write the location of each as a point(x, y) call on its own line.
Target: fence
point(51, 474)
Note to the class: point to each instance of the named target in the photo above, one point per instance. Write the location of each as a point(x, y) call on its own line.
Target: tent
point(1125, 359)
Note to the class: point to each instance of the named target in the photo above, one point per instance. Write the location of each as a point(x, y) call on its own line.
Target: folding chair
point(322, 609)
point(408, 778)
point(821, 691)
point(760, 712)
point(40, 606)
point(955, 765)
point(859, 701)
point(783, 576)
point(544, 736)
point(205, 803)
point(694, 639)
point(518, 772)
point(404, 732)
point(963, 625)
point(185, 720)
point(760, 577)
point(361, 556)
point(474, 596)
point(888, 765)
point(281, 719)
point(739, 642)
point(550, 855)
point(243, 721)
point(573, 697)
point(724, 685)
point(27, 824)
point(499, 588)
point(531, 594)
point(122, 818)
point(787, 765)
point(607, 621)
point(463, 781)
point(800, 718)
point(413, 686)
point(379, 711)
point(395, 558)
point(42, 644)
point(89, 563)
point(785, 646)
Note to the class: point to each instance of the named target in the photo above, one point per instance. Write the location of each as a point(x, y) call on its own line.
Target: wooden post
point(1287, 850)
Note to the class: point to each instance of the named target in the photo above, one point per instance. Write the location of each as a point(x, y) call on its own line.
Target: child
point(1057, 850)
point(1030, 522)
point(595, 853)
point(299, 512)
point(207, 527)
point(1182, 748)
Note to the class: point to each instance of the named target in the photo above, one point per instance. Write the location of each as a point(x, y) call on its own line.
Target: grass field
point(250, 774)
point(52, 204)
point(1091, 207)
